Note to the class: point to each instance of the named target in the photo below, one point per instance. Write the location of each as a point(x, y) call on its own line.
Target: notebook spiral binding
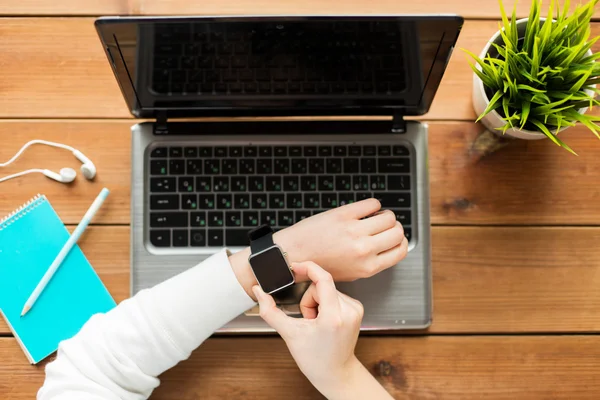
point(19, 212)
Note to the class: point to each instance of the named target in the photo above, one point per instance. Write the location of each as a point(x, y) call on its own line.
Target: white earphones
point(66, 175)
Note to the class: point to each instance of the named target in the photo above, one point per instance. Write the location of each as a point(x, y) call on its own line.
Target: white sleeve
point(118, 355)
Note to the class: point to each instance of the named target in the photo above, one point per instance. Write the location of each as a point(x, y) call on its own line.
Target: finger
point(362, 208)
point(392, 256)
point(309, 303)
point(388, 239)
point(325, 289)
point(270, 313)
point(380, 222)
point(351, 302)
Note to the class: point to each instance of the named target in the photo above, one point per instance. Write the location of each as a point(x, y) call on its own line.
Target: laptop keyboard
point(213, 195)
point(295, 60)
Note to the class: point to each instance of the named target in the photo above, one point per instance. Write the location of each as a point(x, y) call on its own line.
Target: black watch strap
point(261, 238)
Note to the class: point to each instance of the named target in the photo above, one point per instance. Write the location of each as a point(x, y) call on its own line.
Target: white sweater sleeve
point(118, 355)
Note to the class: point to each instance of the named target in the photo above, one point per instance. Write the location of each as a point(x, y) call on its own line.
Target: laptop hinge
point(160, 126)
point(398, 122)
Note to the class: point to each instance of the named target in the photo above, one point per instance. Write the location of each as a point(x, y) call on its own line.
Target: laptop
point(254, 120)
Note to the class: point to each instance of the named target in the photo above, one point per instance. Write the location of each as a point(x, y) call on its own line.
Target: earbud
point(88, 169)
point(66, 175)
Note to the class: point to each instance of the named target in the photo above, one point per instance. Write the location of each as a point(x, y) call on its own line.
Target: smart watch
point(268, 261)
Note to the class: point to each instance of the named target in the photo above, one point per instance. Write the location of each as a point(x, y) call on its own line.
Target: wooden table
point(516, 233)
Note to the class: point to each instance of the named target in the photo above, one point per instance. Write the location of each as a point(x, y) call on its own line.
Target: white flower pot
point(480, 99)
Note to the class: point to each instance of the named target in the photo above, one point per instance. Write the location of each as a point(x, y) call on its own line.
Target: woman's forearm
point(356, 384)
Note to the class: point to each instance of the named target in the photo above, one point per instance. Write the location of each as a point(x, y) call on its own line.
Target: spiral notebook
point(30, 239)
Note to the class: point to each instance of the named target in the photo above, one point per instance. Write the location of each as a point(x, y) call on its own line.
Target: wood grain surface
point(56, 68)
point(528, 182)
point(441, 368)
point(485, 280)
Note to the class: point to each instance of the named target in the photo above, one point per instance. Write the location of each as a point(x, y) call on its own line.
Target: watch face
point(271, 270)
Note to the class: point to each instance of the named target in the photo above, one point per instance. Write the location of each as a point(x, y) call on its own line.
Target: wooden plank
point(537, 367)
point(485, 280)
point(528, 182)
point(55, 68)
point(64, 7)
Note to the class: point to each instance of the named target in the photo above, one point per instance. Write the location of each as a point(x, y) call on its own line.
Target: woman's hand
point(323, 342)
point(346, 243)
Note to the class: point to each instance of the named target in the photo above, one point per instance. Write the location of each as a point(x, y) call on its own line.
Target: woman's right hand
point(322, 343)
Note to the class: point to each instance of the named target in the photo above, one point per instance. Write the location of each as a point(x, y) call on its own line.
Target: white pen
point(65, 250)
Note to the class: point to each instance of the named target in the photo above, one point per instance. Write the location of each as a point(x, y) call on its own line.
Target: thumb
point(270, 313)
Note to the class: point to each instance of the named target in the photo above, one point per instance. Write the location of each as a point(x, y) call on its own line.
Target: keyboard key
point(224, 201)
point(300, 215)
point(316, 166)
point(294, 200)
point(212, 167)
point(408, 233)
point(369, 150)
point(236, 237)
point(315, 212)
point(334, 165)
point(189, 202)
point(180, 238)
point(190, 152)
point(398, 182)
point(343, 182)
point(268, 218)
point(247, 167)
point(311, 200)
point(221, 184)
point(162, 185)
point(290, 183)
point(354, 150)
point(164, 202)
point(176, 167)
point(346, 198)
point(205, 152)
point(280, 151)
point(308, 183)
point(325, 151)
point(241, 201)
point(363, 195)
point(393, 199)
point(310, 151)
point(206, 201)
point(326, 182)
point(378, 182)
point(158, 152)
point(175, 152)
point(235, 151)
point(198, 238)
point(360, 182)
point(295, 151)
point(194, 167)
point(368, 165)
point(256, 183)
point(220, 151)
point(158, 167)
point(329, 200)
point(299, 166)
point(264, 166)
point(198, 219)
point(403, 216)
point(186, 184)
point(281, 166)
point(259, 201)
point(229, 167)
point(339, 151)
point(233, 218)
point(250, 151)
point(391, 165)
point(265, 151)
point(215, 218)
point(277, 200)
point(286, 218)
point(250, 218)
point(238, 184)
point(168, 219)
point(215, 237)
point(204, 184)
point(273, 183)
point(160, 238)
point(384, 150)
point(399, 150)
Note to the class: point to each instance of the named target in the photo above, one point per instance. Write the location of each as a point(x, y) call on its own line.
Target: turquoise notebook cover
point(30, 239)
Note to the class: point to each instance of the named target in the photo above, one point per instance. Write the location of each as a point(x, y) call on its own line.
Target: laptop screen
point(278, 65)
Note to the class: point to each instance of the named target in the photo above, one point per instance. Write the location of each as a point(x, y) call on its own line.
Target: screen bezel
point(107, 28)
point(286, 270)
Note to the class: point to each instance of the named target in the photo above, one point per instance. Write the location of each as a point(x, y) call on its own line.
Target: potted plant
point(537, 76)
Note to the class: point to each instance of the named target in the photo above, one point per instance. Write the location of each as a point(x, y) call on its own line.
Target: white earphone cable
point(37, 141)
point(29, 171)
